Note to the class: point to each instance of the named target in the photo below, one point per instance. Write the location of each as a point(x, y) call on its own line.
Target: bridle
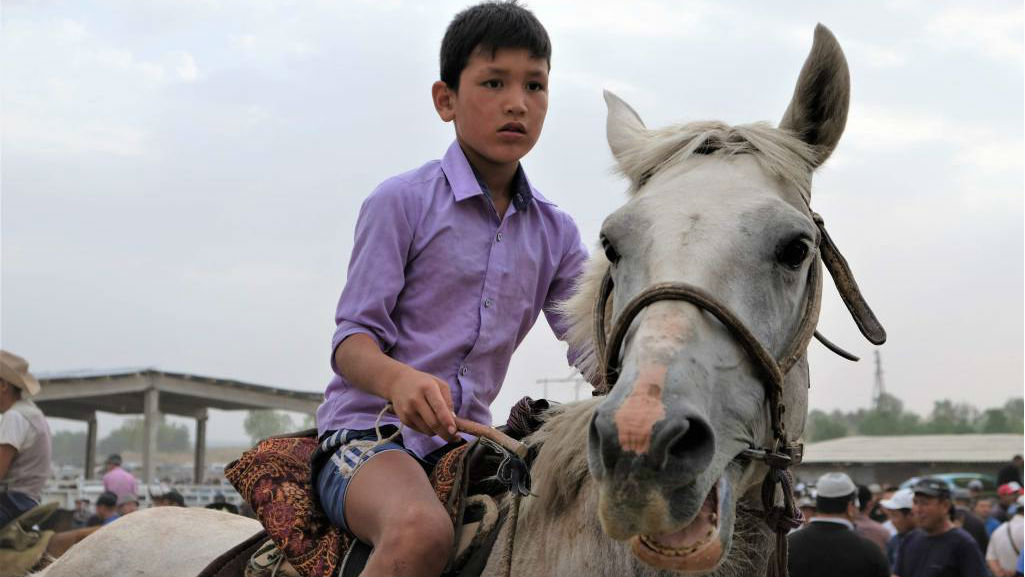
point(780, 453)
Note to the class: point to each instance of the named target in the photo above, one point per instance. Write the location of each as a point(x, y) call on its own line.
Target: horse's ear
point(623, 126)
point(818, 111)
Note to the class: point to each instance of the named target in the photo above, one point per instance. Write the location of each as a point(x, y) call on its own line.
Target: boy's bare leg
point(390, 504)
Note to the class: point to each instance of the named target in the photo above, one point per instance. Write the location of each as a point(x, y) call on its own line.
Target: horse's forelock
point(780, 153)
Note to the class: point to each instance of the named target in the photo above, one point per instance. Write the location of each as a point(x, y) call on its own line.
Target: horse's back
point(156, 541)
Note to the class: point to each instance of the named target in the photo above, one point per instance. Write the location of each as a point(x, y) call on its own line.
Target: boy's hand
point(423, 402)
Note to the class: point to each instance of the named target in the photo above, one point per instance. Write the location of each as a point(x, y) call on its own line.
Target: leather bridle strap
point(781, 454)
point(773, 372)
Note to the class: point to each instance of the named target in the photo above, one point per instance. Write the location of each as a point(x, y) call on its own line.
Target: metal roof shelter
point(79, 395)
point(990, 448)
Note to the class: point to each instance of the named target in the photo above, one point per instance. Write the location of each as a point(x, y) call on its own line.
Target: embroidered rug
point(275, 478)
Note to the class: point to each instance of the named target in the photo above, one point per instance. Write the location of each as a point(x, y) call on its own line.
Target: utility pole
point(879, 389)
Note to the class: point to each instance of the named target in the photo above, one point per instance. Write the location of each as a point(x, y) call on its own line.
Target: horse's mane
point(561, 466)
point(780, 153)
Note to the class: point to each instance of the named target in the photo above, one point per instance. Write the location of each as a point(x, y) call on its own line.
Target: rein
point(780, 453)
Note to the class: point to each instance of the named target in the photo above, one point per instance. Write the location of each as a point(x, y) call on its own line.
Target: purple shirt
point(446, 287)
point(119, 482)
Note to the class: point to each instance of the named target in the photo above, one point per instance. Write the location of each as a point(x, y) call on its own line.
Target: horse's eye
point(610, 251)
point(792, 254)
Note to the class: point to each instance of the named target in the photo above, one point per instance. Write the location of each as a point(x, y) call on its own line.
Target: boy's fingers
point(418, 424)
point(445, 393)
point(447, 424)
point(428, 417)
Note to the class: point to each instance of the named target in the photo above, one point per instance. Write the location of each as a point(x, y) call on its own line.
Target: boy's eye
point(535, 87)
point(492, 83)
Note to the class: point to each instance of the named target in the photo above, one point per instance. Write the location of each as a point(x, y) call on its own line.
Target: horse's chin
point(697, 547)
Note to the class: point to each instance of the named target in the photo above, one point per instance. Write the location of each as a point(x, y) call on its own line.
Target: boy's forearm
point(362, 363)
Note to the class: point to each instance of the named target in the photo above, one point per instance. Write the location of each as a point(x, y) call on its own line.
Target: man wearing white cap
point(24, 440)
point(898, 510)
point(828, 545)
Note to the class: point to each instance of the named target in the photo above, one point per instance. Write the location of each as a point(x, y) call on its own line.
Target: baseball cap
point(932, 488)
point(833, 485)
point(900, 500)
point(1012, 488)
point(175, 497)
point(107, 499)
point(975, 484)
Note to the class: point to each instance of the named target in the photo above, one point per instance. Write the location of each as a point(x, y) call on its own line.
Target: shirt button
point(488, 303)
point(498, 237)
point(463, 370)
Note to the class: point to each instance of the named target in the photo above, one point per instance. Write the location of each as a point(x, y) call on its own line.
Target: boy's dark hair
point(834, 505)
point(489, 26)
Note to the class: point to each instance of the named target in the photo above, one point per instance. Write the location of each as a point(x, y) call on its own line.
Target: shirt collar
point(464, 182)
point(836, 520)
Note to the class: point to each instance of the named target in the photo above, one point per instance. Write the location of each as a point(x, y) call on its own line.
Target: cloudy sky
point(180, 178)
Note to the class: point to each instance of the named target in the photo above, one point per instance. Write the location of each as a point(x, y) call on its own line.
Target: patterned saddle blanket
point(275, 478)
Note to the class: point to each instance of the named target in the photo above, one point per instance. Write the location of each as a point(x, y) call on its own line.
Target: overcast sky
point(181, 178)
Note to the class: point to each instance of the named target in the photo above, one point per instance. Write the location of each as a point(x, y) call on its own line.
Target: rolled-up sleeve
point(384, 233)
point(574, 258)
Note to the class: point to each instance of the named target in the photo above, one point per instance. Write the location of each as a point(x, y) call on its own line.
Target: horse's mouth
point(696, 547)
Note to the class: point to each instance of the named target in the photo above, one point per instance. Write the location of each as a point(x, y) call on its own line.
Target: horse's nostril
point(696, 438)
point(686, 444)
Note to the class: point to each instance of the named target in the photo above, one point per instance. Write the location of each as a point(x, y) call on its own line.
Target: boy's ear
point(443, 101)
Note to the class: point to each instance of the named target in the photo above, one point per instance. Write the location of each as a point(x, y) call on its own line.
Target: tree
point(948, 417)
point(131, 434)
point(822, 427)
point(1015, 410)
point(68, 447)
point(262, 424)
point(994, 421)
point(888, 418)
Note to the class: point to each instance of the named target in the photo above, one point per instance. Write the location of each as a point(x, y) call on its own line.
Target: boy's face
point(500, 106)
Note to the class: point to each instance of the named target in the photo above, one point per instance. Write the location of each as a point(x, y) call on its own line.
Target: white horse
point(656, 477)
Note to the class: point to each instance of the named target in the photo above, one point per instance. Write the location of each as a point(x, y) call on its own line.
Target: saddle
point(275, 478)
point(23, 544)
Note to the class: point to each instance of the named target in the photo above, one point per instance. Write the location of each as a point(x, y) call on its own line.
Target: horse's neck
point(573, 543)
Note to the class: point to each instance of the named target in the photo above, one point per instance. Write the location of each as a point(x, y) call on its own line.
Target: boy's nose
point(517, 103)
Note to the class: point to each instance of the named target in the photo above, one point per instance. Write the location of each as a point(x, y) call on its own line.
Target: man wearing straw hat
point(24, 440)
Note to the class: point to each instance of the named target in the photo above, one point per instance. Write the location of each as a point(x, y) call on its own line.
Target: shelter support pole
point(199, 465)
point(90, 448)
point(151, 407)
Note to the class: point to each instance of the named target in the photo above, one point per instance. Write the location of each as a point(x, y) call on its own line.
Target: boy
point(451, 265)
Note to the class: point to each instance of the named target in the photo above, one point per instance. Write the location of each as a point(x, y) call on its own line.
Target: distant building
point(893, 459)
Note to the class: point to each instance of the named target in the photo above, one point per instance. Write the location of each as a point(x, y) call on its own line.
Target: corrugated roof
point(916, 449)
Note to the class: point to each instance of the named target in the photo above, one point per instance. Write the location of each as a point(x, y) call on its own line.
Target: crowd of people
point(927, 529)
point(120, 498)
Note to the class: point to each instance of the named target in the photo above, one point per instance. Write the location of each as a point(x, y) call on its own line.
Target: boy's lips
point(513, 127)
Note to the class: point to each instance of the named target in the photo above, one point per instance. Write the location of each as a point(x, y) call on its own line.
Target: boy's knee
point(426, 529)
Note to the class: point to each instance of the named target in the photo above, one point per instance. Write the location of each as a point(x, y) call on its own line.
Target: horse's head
point(724, 209)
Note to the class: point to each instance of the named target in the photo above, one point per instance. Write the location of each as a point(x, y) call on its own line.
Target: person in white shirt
point(1005, 544)
point(24, 440)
